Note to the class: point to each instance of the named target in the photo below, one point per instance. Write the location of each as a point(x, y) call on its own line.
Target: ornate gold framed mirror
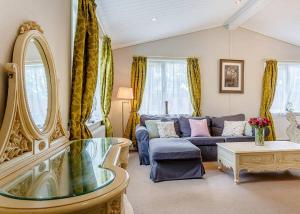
point(32, 121)
point(37, 82)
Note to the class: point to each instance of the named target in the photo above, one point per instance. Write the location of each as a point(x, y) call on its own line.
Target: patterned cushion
point(166, 129)
point(152, 128)
point(162, 118)
point(217, 123)
point(234, 128)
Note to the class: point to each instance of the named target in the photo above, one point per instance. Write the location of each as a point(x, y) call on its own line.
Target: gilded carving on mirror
point(32, 113)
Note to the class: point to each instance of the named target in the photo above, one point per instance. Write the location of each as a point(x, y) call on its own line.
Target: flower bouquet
point(259, 125)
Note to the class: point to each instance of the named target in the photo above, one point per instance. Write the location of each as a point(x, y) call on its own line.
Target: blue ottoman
point(173, 159)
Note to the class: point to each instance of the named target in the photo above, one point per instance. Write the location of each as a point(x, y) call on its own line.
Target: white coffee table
point(273, 156)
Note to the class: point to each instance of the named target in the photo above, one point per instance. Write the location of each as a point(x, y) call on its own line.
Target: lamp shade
point(125, 93)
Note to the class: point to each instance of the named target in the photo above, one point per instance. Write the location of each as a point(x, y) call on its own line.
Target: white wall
point(54, 16)
point(210, 46)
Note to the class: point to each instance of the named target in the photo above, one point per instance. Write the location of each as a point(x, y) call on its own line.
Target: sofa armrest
point(142, 139)
point(141, 133)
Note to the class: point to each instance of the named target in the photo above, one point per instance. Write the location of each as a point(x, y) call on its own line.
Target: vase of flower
point(259, 136)
point(259, 125)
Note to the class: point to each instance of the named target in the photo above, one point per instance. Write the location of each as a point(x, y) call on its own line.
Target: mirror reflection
point(76, 170)
point(37, 83)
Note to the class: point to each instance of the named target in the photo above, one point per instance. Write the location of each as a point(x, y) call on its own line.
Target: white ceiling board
point(129, 22)
point(251, 8)
point(280, 20)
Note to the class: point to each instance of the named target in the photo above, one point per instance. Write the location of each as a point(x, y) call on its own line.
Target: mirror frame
point(21, 141)
point(19, 54)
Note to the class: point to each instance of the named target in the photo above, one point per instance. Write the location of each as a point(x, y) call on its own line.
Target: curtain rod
point(282, 60)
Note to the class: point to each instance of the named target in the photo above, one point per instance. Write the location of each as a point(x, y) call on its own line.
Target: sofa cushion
point(151, 126)
point(217, 123)
point(205, 141)
point(163, 118)
point(185, 128)
point(172, 149)
point(199, 128)
point(248, 130)
point(234, 128)
point(166, 129)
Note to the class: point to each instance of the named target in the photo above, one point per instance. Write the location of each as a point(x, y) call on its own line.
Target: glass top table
point(76, 170)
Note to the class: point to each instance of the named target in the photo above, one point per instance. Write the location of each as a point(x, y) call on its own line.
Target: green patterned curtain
point(85, 68)
point(82, 173)
point(107, 82)
point(194, 79)
point(269, 86)
point(138, 79)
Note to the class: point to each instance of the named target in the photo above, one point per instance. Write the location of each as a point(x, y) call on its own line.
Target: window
point(166, 81)
point(287, 95)
point(96, 114)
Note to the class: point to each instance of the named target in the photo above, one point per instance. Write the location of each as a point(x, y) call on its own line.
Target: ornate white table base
point(274, 156)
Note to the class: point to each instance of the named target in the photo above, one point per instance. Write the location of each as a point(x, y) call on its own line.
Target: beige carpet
point(274, 193)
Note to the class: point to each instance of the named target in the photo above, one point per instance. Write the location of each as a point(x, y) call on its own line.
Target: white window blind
point(287, 95)
point(166, 81)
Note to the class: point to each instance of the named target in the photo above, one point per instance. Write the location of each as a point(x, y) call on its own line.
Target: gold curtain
point(269, 86)
point(85, 68)
point(194, 79)
point(82, 173)
point(107, 82)
point(138, 79)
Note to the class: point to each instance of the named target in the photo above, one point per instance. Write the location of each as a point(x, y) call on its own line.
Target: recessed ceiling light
point(238, 1)
point(153, 19)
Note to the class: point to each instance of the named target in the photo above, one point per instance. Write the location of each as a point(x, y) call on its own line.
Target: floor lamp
point(125, 94)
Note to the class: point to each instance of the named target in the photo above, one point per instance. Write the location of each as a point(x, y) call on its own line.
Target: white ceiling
point(129, 22)
point(280, 20)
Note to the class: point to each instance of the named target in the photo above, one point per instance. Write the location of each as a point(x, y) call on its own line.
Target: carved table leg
point(236, 174)
point(220, 165)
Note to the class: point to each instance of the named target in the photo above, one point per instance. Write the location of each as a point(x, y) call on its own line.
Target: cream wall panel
point(211, 45)
point(54, 17)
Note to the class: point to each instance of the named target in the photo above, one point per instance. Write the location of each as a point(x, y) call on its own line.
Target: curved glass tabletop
point(77, 170)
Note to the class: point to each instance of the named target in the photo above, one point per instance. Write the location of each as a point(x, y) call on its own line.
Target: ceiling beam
point(251, 8)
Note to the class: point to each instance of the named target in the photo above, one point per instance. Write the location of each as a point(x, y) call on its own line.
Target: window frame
point(167, 59)
point(286, 63)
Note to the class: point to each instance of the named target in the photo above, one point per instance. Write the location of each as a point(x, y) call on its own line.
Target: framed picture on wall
point(231, 76)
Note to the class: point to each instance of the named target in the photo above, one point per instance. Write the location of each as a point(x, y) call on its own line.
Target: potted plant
point(259, 124)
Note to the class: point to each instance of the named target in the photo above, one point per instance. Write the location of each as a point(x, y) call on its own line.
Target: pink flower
point(259, 122)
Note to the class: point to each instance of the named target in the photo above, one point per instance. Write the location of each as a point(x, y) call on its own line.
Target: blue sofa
point(207, 145)
point(181, 158)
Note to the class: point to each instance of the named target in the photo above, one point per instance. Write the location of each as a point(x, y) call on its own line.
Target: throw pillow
point(234, 128)
point(199, 128)
point(166, 129)
point(217, 123)
point(185, 127)
point(248, 130)
point(151, 126)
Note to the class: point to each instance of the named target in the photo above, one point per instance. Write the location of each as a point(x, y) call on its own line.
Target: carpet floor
point(258, 193)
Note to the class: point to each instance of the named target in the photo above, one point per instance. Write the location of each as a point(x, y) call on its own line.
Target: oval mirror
point(37, 84)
